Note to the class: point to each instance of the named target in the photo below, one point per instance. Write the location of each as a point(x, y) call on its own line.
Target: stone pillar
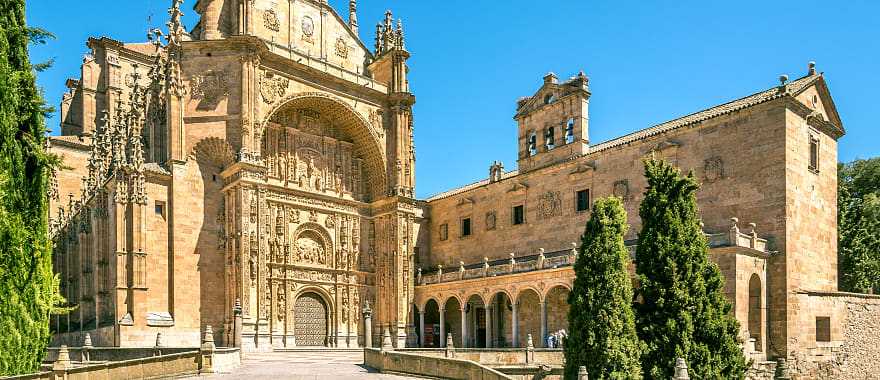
point(464, 330)
point(582, 373)
point(450, 346)
point(386, 340)
point(422, 328)
point(543, 310)
point(236, 324)
point(206, 352)
point(211, 19)
point(62, 364)
point(488, 327)
point(368, 325)
point(441, 344)
point(514, 324)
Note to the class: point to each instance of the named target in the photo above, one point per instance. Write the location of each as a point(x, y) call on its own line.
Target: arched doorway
point(311, 320)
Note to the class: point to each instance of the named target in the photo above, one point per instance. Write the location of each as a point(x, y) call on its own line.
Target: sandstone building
point(264, 162)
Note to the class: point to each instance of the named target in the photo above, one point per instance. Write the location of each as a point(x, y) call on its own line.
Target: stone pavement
point(307, 365)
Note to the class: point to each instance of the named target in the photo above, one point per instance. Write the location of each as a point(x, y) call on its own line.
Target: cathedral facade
point(256, 174)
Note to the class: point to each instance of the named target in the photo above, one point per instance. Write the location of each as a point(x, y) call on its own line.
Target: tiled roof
point(71, 141)
point(776, 92)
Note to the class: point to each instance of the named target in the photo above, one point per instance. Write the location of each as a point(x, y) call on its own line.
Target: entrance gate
point(310, 318)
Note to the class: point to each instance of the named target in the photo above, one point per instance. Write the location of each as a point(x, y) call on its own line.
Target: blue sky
point(648, 62)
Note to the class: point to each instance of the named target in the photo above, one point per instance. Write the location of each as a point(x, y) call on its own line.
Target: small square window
point(519, 215)
point(583, 200)
point(444, 232)
point(823, 329)
point(466, 227)
point(160, 209)
point(814, 154)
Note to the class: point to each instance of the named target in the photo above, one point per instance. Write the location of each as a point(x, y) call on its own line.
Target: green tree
point(600, 318)
point(858, 216)
point(28, 288)
point(682, 310)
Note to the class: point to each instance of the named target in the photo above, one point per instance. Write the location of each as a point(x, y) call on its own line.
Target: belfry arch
point(326, 117)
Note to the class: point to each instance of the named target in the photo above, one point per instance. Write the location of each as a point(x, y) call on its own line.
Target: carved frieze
point(550, 204)
point(713, 169)
point(210, 87)
point(273, 87)
point(270, 20)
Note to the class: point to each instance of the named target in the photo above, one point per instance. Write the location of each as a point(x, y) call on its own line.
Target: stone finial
point(160, 342)
point(209, 335)
point(783, 80)
point(811, 68)
point(461, 266)
point(551, 78)
point(386, 339)
point(541, 258)
point(529, 342)
point(63, 361)
point(236, 310)
point(419, 276)
point(753, 229)
point(582, 373)
point(439, 272)
point(782, 372)
point(733, 224)
point(450, 343)
point(87, 341)
point(681, 370)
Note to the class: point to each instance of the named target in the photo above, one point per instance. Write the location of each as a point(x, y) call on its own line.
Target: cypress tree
point(682, 311)
point(601, 322)
point(28, 288)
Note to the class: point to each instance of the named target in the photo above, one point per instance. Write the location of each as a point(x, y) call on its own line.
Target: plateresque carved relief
point(273, 87)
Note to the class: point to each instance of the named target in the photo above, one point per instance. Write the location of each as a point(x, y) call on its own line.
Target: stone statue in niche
point(310, 249)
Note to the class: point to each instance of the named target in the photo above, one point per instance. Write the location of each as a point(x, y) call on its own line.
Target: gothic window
point(519, 215)
point(466, 227)
point(533, 144)
point(550, 138)
point(569, 131)
point(583, 200)
point(814, 154)
point(444, 232)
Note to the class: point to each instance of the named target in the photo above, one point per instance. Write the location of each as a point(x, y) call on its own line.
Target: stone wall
point(854, 344)
point(428, 366)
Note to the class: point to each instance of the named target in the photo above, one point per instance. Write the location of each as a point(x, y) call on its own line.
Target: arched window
point(755, 315)
point(550, 138)
point(569, 131)
point(533, 144)
point(549, 98)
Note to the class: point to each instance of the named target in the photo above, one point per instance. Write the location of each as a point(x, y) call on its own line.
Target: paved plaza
point(305, 366)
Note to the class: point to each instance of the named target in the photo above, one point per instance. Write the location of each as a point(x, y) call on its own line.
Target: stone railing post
point(62, 364)
point(582, 373)
point(753, 235)
point(734, 231)
point(236, 324)
point(368, 325)
point(87, 345)
point(419, 277)
point(386, 340)
point(681, 370)
point(572, 255)
point(541, 258)
point(439, 273)
point(461, 270)
point(206, 352)
point(450, 346)
point(782, 372)
point(530, 349)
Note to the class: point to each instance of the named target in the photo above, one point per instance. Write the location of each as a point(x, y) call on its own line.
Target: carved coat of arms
point(273, 87)
point(551, 204)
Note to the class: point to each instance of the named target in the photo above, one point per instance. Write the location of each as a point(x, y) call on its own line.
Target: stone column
point(464, 330)
point(422, 328)
point(488, 326)
point(236, 324)
point(368, 325)
point(514, 322)
point(543, 310)
point(442, 327)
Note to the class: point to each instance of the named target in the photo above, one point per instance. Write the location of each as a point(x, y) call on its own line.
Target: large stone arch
point(366, 139)
point(330, 318)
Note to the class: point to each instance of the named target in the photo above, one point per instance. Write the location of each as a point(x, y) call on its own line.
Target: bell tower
point(553, 124)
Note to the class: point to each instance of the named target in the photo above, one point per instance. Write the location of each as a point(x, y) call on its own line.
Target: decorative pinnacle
point(783, 79)
point(811, 68)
